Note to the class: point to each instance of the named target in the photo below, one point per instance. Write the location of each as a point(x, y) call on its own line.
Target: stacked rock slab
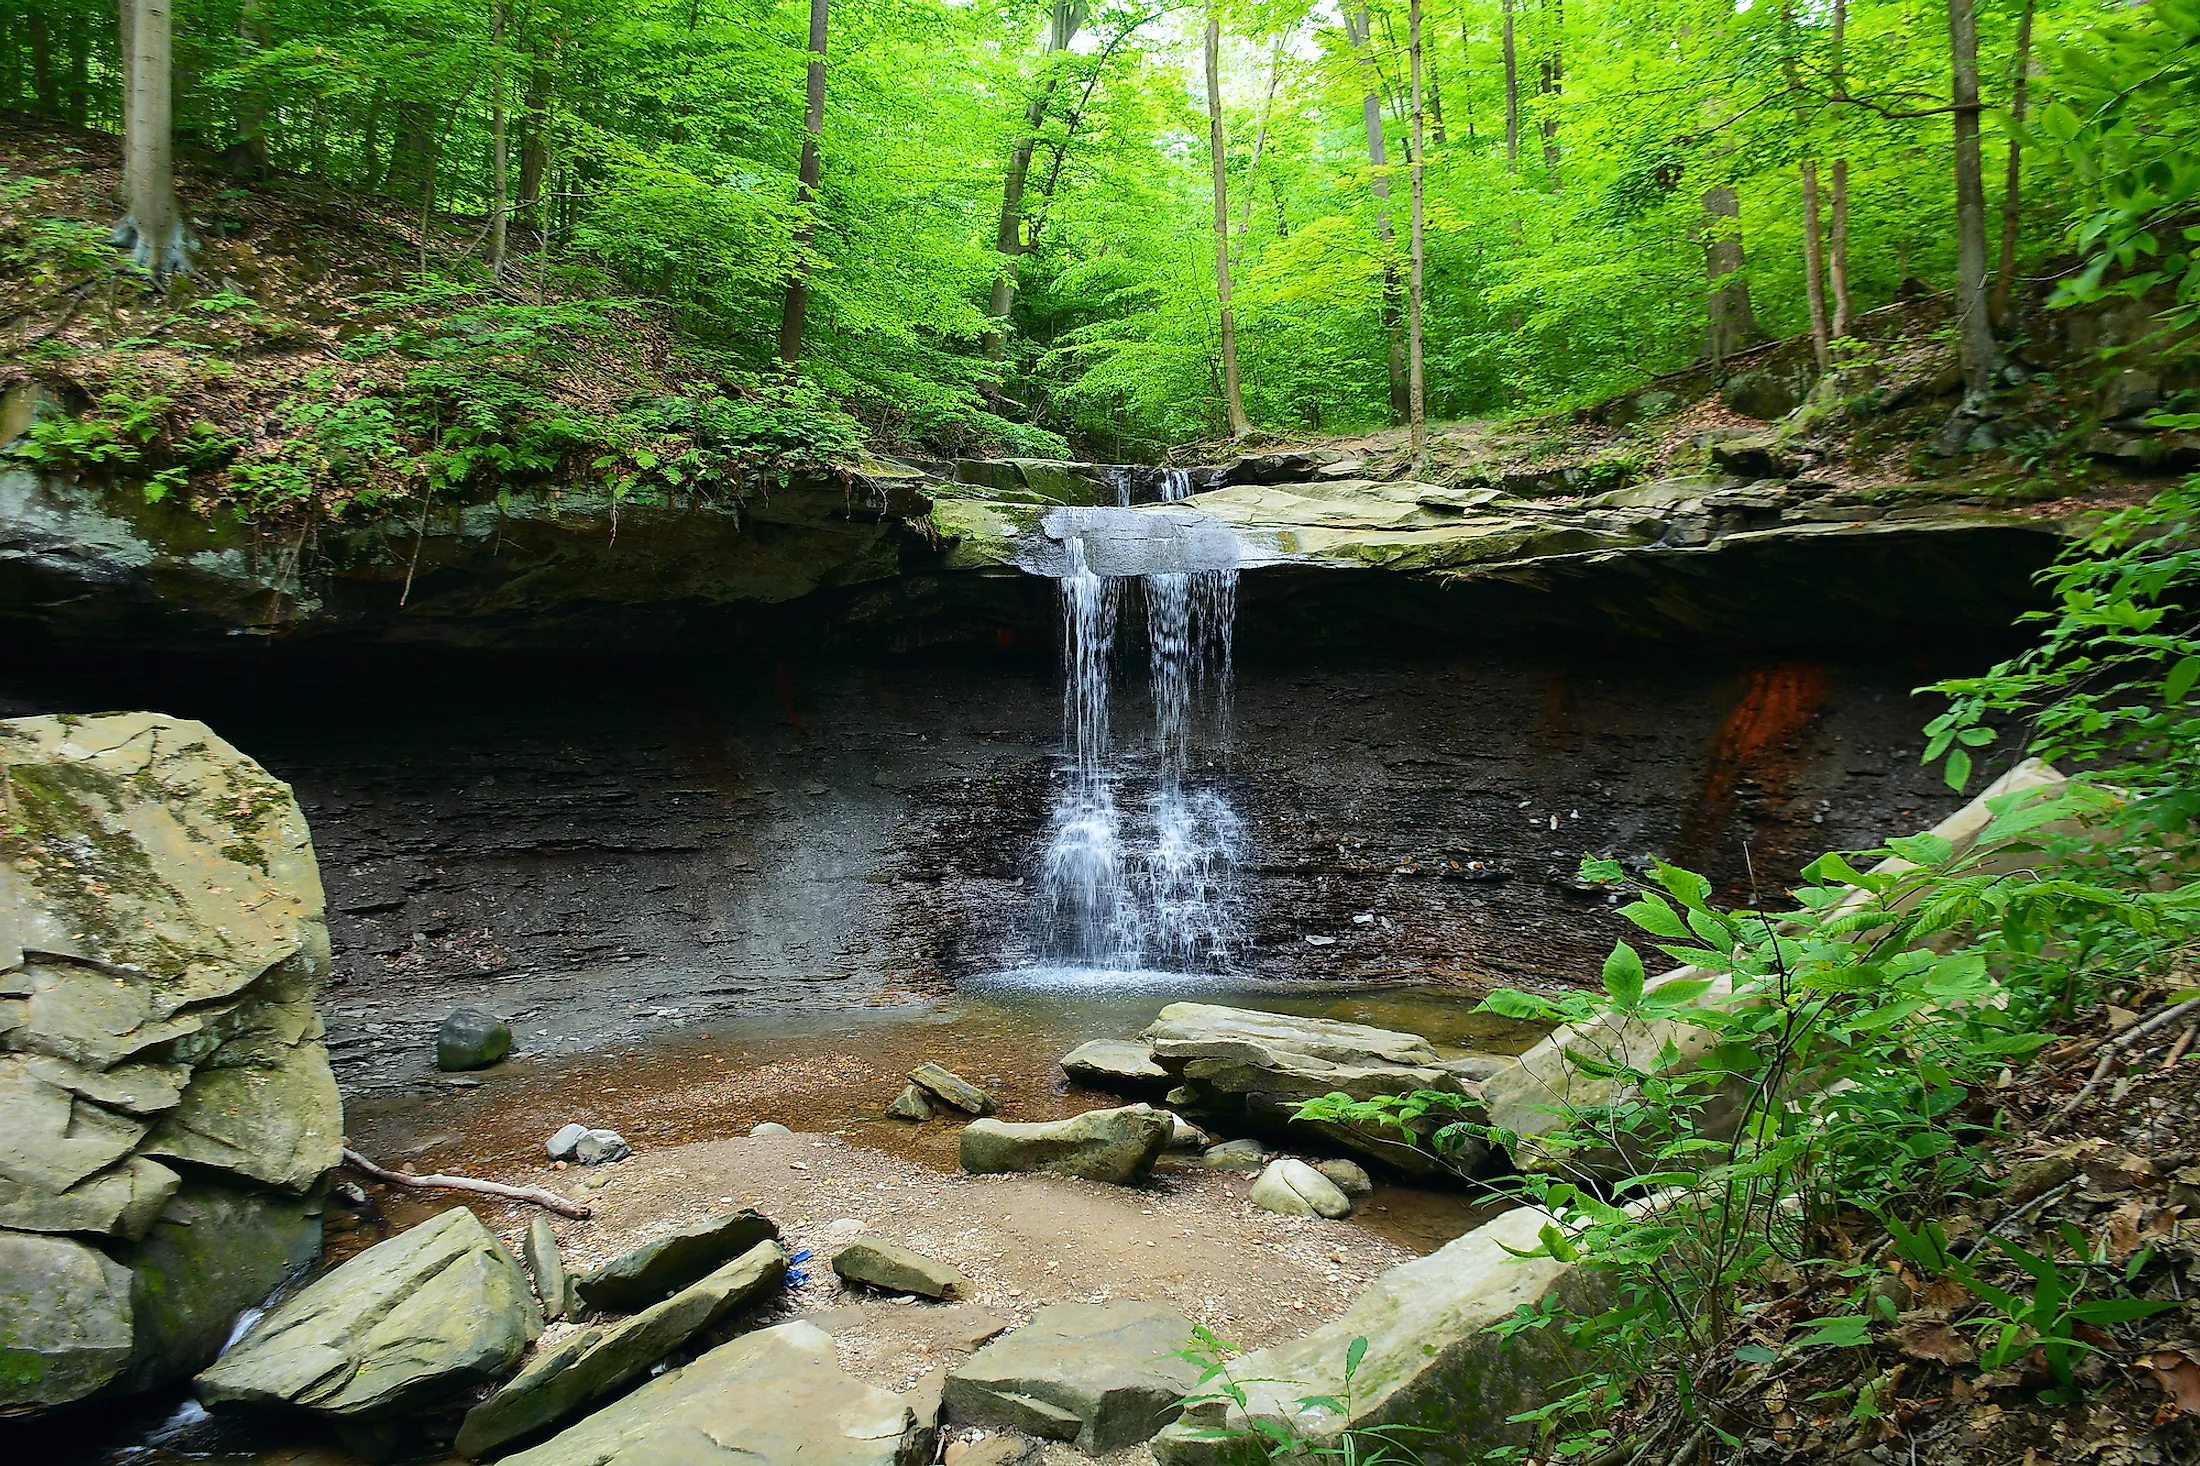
point(1245, 1070)
point(661, 1266)
point(1103, 1375)
point(1431, 1363)
point(166, 1104)
point(407, 1326)
point(776, 1397)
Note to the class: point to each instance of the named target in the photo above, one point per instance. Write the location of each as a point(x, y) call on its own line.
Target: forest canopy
point(1004, 217)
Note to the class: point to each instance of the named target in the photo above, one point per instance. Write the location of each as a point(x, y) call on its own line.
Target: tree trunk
point(1066, 20)
point(1982, 358)
point(1837, 265)
point(251, 101)
point(796, 312)
point(500, 196)
point(1371, 108)
point(80, 68)
point(534, 147)
point(126, 53)
point(1512, 94)
point(1419, 403)
point(370, 141)
point(1260, 133)
point(1733, 325)
point(1814, 268)
point(153, 229)
point(1435, 105)
point(2012, 194)
point(42, 78)
point(1551, 85)
point(1233, 403)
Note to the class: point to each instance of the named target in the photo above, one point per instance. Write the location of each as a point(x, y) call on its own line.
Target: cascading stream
point(1161, 893)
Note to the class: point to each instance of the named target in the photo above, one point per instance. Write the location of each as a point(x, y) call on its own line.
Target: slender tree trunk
point(252, 102)
point(42, 79)
point(1552, 85)
point(500, 197)
point(1512, 94)
point(1233, 403)
point(1837, 264)
point(2012, 193)
point(370, 140)
point(1435, 104)
point(1371, 109)
point(796, 312)
point(1419, 403)
point(534, 147)
point(1008, 240)
point(1733, 324)
point(1814, 268)
point(1982, 358)
point(80, 68)
point(153, 229)
point(1260, 133)
point(126, 52)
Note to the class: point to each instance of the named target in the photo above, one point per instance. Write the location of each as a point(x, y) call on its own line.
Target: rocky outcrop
point(406, 1326)
point(1242, 1069)
point(1432, 1365)
point(162, 948)
point(658, 1267)
point(592, 1364)
point(776, 1397)
point(1103, 1375)
point(1116, 1146)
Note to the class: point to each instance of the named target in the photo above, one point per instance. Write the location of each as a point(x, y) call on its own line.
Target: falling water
point(1160, 893)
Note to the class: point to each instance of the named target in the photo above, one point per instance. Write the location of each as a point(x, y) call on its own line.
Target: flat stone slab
point(776, 1397)
point(657, 1269)
point(1210, 1031)
point(404, 1326)
point(561, 1382)
point(951, 1089)
point(1119, 1066)
point(1101, 1374)
point(897, 1269)
point(1117, 1146)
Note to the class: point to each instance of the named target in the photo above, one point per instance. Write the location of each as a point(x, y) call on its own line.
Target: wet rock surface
point(603, 868)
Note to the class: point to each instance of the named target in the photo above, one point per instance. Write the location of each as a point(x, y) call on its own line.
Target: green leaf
point(2178, 684)
point(1756, 1354)
point(1959, 769)
point(1623, 977)
point(1851, 1331)
point(1656, 916)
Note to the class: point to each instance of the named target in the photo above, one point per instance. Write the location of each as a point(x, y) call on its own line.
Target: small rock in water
point(562, 1144)
point(911, 1104)
point(952, 1088)
point(769, 1127)
point(599, 1146)
point(1247, 1156)
point(1347, 1176)
point(1321, 941)
point(1295, 1189)
point(471, 1039)
point(897, 1269)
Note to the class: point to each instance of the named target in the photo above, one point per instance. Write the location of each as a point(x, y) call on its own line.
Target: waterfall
point(1160, 893)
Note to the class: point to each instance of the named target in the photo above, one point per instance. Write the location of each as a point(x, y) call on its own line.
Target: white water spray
point(1163, 893)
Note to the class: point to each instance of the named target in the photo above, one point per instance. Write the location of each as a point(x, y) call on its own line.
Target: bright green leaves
point(1623, 977)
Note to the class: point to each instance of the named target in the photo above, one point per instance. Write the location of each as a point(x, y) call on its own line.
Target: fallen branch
point(532, 1195)
point(2110, 1050)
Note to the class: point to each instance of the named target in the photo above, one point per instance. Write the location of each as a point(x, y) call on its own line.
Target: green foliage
point(1262, 1438)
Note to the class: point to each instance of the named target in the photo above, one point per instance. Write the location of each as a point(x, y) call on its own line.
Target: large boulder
point(663, 1265)
point(1432, 1365)
point(592, 1364)
point(776, 1397)
point(162, 948)
point(1117, 1146)
point(1293, 1188)
point(1103, 1375)
point(471, 1039)
point(1117, 1066)
point(65, 1329)
point(1241, 1069)
point(408, 1325)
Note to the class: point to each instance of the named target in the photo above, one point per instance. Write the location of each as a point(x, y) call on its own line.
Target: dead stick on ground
point(532, 1195)
point(2110, 1050)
